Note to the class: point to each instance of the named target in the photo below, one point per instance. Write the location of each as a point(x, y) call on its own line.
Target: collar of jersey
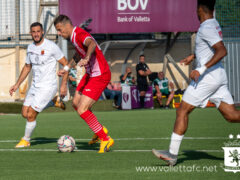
point(206, 21)
point(72, 33)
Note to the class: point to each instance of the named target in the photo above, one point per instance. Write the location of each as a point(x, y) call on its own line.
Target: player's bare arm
point(126, 74)
point(63, 88)
point(187, 60)
point(76, 58)
point(24, 73)
point(220, 52)
point(159, 95)
point(171, 86)
point(91, 46)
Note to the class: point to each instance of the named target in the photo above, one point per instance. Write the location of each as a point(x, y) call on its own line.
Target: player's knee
point(30, 116)
point(75, 103)
point(81, 109)
point(181, 112)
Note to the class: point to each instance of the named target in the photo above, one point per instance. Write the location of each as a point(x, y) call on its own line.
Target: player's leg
point(30, 114)
point(229, 112)
point(24, 111)
point(170, 98)
point(76, 100)
point(159, 98)
point(56, 102)
point(91, 90)
point(85, 113)
point(142, 97)
point(35, 102)
point(223, 100)
point(31, 123)
point(180, 127)
point(27, 103)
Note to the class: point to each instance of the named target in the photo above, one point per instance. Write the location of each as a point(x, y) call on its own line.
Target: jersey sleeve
point(57, 53)
point(122, 81)
point(155, 83)
point(211, 35)
point(83, 36)
point(139, 67)
point(147, 67)
point(27, 61)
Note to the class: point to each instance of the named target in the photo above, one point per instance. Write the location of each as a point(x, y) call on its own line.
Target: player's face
point(62, 31)
point(37, 34)
point(142, 59)
point(161, 75)
point(199, 12)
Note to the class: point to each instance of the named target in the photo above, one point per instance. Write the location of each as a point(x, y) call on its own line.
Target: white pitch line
point(88, 150)
point(124, 139)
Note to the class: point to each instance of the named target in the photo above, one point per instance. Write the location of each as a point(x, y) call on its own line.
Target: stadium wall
point(8, 73)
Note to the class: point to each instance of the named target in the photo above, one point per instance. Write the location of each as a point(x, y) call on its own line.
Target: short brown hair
point(62, 19)
point(36, 24)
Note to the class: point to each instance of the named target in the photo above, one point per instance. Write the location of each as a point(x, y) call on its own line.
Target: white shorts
point(38, 98)
point(213, 86)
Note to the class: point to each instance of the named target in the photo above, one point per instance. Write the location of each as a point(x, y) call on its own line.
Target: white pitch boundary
point(125, 139)
point(79, 150)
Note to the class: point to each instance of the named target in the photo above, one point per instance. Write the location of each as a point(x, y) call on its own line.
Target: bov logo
point(132, 4)
point(232, 155)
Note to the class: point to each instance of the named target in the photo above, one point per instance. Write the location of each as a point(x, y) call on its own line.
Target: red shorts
point(93, 86)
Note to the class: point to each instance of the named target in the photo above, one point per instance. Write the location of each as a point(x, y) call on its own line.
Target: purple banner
point(130, 98)
point(133, 16)
point(136, 98)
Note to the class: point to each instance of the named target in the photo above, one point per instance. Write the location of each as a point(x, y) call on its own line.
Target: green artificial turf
point(135, 132)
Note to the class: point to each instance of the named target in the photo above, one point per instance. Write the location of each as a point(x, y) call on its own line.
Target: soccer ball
point(66, 143)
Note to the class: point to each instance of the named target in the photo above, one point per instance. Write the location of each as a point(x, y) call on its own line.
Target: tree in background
point(228, 15)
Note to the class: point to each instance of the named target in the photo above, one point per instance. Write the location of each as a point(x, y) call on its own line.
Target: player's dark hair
point(36, 24)
point(62, 19)
point(207, 4)
point(142, 55)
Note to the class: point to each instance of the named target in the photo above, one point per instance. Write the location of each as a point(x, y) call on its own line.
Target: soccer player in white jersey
point(209, 80)
point(42, 57)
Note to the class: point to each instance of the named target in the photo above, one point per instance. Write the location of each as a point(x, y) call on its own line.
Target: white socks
point(175, 143)
point(30, 126)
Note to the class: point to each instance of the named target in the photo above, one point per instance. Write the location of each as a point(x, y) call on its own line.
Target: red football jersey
point(97, 64)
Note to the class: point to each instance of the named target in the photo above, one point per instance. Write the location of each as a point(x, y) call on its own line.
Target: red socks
point(94, 125)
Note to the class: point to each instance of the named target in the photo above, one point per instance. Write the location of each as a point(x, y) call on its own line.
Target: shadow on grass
point(43, 140)
point(86, 146)
point(79, 145)
point(193, 156)
point(196, 155)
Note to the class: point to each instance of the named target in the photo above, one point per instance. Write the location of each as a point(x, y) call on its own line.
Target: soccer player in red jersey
point(97, 77)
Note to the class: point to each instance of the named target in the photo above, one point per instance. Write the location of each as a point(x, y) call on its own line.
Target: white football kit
point(213, 84)
point(43, 59)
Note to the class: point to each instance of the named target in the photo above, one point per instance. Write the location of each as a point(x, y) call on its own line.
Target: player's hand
point(148, 72)
point(13, 89)
point(61, 72)
point(187, 60)
point(195, 75)
point(129, 71)
point(83, 62)
point(159, 95)
point(63, 91)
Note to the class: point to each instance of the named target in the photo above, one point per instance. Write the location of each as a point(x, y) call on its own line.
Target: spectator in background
point(113, 91)
point(126, 79)
point(72, 81)
point(161, 85)
point(142, 72)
